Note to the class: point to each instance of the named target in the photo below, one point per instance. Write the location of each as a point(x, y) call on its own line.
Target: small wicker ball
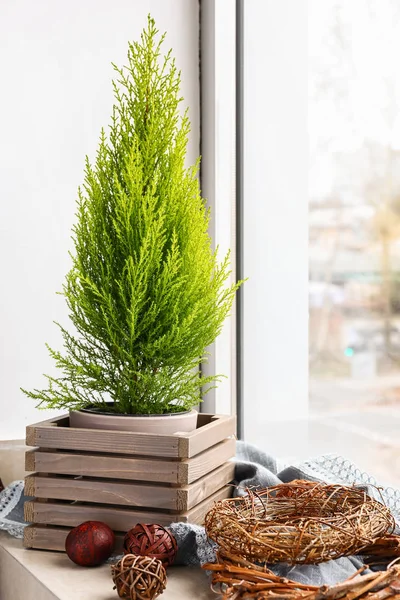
point(139, 577)
point(151, 540)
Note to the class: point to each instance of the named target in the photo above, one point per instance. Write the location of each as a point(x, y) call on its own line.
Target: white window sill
point(41, 575)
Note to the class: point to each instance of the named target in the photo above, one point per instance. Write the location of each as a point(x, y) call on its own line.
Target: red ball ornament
point(151, 540)
point(90, 544)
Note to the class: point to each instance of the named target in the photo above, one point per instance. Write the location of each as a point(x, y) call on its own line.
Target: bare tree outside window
point(354, 219)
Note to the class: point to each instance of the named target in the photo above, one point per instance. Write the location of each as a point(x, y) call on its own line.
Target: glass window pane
point(343, 228)
point(354, 231)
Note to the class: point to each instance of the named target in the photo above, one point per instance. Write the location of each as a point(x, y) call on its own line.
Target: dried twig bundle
point(385, 547)
point(298, 522)
point(235, 578)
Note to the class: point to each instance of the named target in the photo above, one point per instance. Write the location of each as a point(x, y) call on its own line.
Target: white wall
point(55, 95)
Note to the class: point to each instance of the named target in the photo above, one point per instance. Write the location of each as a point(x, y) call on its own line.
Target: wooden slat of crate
point(119, 519)
point(49, 537)
point(205, 486)
point(56, 433)
point(123, 493)
point(127, 467)
point(211, 429)
point(103, 465)
point(49, 435)
point(192, 469)
point(45, 537)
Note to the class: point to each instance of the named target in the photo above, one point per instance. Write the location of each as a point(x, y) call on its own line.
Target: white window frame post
point(275, 215)
point(218, 115)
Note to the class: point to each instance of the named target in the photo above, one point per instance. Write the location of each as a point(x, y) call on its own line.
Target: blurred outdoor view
point(354, 225)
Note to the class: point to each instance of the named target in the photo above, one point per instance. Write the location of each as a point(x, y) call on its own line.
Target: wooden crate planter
point(123, 478)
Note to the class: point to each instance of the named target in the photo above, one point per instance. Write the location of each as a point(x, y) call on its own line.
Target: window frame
point(218, 175)
point(229, 51)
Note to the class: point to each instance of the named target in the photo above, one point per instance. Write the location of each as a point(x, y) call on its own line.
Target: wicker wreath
point(139, 577)
point(298, 522)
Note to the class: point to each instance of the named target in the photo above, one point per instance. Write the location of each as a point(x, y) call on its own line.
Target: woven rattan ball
point(151, 540)
point(139, 577)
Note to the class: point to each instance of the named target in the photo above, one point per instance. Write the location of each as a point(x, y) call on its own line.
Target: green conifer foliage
point(146, 292)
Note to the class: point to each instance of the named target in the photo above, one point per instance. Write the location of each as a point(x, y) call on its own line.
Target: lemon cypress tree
point(146, 292)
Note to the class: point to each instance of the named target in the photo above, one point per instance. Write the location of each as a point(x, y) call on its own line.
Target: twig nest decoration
point(298, 522)
point(139, 577)
point(151, 540)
